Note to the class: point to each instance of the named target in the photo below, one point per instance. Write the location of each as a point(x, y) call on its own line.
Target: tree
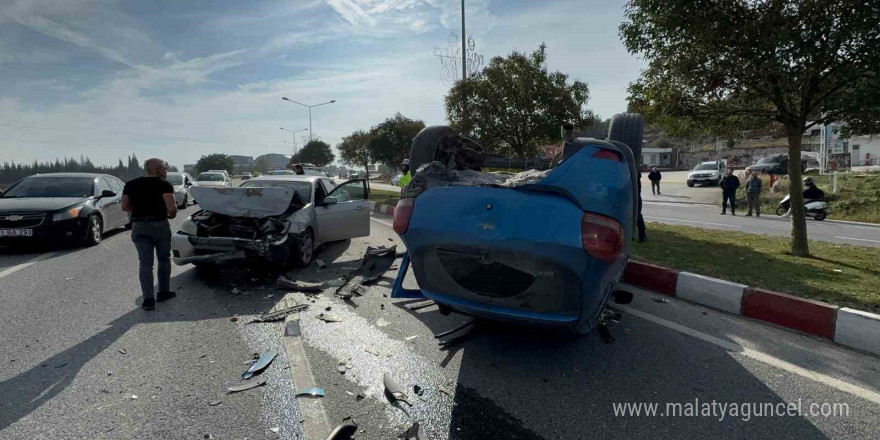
point(796, 63)
point(392, 139)
point(262, 164)
point(215, 161)
point(355, 149)
point(514, 105)
point(316, 152)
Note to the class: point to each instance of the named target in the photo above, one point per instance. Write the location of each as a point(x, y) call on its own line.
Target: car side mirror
point(189, 184)
point(108, 193)
point(332, 200)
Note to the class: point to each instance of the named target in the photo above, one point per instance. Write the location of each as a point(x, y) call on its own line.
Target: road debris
point(418, 390)
point(123, 351)
point(661, 300)
point(279, 314)
point(341, 368)
point(275, 430)
point(376, 261)
point(343, 432)
point(299, 286)
point(311, 392)
point(134, 396)
point(381, 322)
point(421, 305)
point(446, 391)
point(214, 402)
point(292, 328)
point(262, 363)
point(372, 350)
point(410, 338)
point(359, 397)
point(413, 433)
point(320, 263)
point(394, 391)
point(330, 317)
point(246, 386)
point(234, 318)
point(236, 291)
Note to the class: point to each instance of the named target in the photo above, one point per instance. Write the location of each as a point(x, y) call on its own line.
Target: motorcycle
point(817, 209)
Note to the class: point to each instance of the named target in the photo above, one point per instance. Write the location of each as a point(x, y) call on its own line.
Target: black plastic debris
point(418, 390)
point(661, 300)
point(246, 386)
point(262, 363)
point(413, 433)
point(376, 261)
point(279, 314)
point(343, 432)
point(320, 263)
point(393, 391)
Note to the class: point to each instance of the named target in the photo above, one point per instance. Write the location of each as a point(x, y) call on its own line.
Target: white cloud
point(351, 12)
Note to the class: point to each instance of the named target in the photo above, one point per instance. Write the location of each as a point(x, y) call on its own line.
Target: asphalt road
point(67, 316)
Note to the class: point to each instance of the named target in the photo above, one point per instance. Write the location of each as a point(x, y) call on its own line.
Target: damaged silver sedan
point(280, 219)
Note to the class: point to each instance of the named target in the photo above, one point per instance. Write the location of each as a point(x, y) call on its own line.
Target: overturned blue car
point(543, 247)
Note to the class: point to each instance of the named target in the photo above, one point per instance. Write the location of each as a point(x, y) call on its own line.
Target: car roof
point(89, 175)
point(211, 172)
point(288, 177)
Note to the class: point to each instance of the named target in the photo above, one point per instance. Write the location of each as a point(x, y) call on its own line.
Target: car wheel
point(780, 210)
point(820, 216)
point(424, 146)
point(690, 184)
point(95, 230)
point(304, 250)
point(628, 128)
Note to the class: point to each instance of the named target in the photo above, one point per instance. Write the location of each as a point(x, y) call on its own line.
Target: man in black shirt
point(150, 200)
point(654, 176)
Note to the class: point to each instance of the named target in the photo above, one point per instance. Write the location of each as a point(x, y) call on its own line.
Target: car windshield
point(706, 167)
point(174, 179)
point(210, 177)
point(771, 159)
point(52, 187)
point(304, 189)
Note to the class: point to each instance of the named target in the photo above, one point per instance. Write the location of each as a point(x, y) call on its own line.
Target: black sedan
point(61, 208)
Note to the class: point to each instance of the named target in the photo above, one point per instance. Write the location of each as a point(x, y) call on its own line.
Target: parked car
point(280, 173)
point(778, 164)
point(224, 172)
point(281, 219)
point(61, 207)
point(541, 247)
point(711, 173)
point(247, 176)
point(212, 178)
point(181, 182)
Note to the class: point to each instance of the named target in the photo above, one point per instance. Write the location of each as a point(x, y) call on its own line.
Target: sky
point(182, 79)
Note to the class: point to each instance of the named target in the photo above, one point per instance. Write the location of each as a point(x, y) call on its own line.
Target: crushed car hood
point(244, 202)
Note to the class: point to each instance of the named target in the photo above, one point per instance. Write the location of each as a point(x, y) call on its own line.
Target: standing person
point(404, 170)
point(729, 185)
point(298, 169)
point(654, 176)
point(150, 200)
point(753, 194)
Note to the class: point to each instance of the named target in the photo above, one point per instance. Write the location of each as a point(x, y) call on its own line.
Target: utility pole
point(463, 46)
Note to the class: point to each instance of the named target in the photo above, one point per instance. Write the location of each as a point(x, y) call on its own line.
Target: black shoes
point(149, 304)
point(165, 296)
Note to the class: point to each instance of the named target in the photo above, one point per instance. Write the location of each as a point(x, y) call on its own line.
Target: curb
point(382, 209)
point(853, 328)
point(847, 222)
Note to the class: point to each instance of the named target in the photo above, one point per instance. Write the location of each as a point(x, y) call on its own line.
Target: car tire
point(690, 184)
point(424, 146)
point(628, 128)
point(780, 211)
point(820, 216)
point(304, 250)
point(94, 230)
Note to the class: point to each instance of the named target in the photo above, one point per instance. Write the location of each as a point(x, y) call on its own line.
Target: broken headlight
point(189, 227)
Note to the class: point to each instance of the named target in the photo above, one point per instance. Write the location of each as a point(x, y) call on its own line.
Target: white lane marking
point(758, 356)
point(382, 222)
point(859, 239)
point(692, 221)
point(21, 266)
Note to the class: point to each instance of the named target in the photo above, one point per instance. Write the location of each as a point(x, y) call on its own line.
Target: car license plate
point(16, 232)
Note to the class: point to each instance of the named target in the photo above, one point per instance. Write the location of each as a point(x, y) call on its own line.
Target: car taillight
point(402, 213)
point(607, 154)
point(602, 237)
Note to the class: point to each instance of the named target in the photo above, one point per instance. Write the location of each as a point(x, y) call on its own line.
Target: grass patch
point(384, 197)
point(838, 274)
point(857, 198)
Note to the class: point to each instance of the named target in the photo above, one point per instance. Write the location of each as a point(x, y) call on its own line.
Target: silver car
point(181, 182)
point(281, 219)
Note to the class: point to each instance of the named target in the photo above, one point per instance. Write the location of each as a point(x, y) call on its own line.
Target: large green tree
point(355, 149)
point(515, 104)
point(215, 161)
point(317, 152)
point(796, 63)
point(392, 139)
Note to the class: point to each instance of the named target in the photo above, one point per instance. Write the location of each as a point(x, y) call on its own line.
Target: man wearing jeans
point(150, 200)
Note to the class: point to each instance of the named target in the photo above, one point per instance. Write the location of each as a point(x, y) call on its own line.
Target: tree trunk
point(367, 170)
point(799, 245)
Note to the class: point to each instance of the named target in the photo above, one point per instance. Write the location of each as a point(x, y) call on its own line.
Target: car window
point(102, 186)
point(329, 185)
point(174, 179)
point(704, 167)
point(351, 191)
point(115, 184)
point(304, 189)
point(211, 177)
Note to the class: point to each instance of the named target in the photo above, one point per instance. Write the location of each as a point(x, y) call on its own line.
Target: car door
point(110, 207)
point(345, 212)
point(117, 186)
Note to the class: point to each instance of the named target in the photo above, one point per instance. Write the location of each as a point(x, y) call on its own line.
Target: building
point(244, 161)
point(865, 150)
point(271, 161)
point(656, 157)
point(190, 168)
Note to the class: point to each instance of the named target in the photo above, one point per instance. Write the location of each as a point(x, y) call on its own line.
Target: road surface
point(76, 347)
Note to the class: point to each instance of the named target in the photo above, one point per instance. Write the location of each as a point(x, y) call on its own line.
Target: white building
point(656, 157)
point(865, 150)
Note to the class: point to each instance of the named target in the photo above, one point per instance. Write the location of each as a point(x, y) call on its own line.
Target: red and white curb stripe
point(853, 328)
point(382, 209)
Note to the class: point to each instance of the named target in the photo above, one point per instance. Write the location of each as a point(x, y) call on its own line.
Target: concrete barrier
point(858, 329)
point(712, 292)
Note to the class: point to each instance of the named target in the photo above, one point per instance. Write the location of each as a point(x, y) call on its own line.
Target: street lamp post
point(293, 135)
point(310, 111)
